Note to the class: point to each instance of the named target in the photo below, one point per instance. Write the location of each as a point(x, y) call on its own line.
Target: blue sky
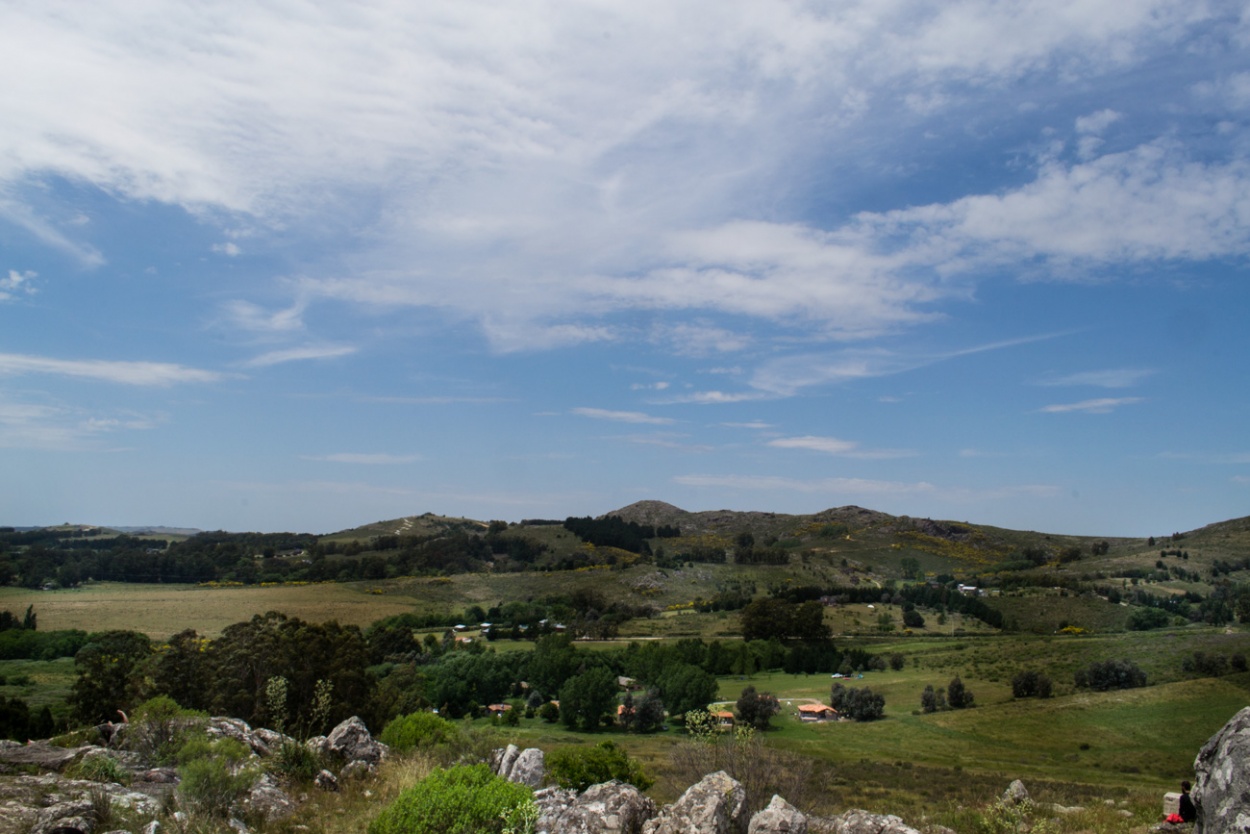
point(303, 266)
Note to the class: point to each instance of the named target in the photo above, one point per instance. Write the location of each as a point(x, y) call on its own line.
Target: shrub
point(579, 768)
point(160, 727)
point(417, 730)
point(957, 695)
point(213, 776)
point(100, 767)
point(1144, 619)
point(459, 800)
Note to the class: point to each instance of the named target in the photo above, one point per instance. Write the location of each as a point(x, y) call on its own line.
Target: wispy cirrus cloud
point(1102, 405)
point(865, 487)
point(622, 416)
point(366, 458)
point(1110, 378)
point(836, 446)
point(158, 374)
point(300, 354)
point(62, 428)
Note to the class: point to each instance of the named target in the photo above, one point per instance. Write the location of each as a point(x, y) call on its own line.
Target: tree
point(957, 695)
point(757, 708)
point(744, 548)
point(932, 700)
point(897, 661)
point(648, 713)
point(586, 698)
point(107, 675)
point(685, 687)
point(913, 619)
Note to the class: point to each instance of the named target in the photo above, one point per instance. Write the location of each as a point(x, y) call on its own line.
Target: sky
point(304, 266)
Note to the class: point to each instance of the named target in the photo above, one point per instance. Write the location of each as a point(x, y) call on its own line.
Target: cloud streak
point(622, 416)
point(152, 374)
point(1101, 405)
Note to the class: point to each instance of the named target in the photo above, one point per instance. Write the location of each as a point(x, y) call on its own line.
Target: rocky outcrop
point(780, 817)
point(525, 767)
point(1016, 794)
point(1221, 791)
point(715, 805)
point(861, 822)
point(609, 808)
point(51, 803)
point(41, 754)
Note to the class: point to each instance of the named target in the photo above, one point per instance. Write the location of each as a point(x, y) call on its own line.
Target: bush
point(1145, 619)
point(213, 776)
point(417, 730)
point(579, 768)
point(100, 767)
point(160, 727)
point(459, 800)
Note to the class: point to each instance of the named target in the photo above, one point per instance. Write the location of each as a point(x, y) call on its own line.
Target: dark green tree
point(108, 675)
point(587, 698)
point(757, 708)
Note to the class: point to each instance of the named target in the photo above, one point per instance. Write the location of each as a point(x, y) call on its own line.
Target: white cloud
point(758, 425)
point(125, 373)
point(1103, 405)
point(622, 416)
point(300, 354)
point(58, 427)
point(17, 283)
point(369, 459)
point(834, 446)
point(518, 164)
point(1097, 123)
point(835, 486)
point(229, 249)
point(1110, 378)
point(253, 318)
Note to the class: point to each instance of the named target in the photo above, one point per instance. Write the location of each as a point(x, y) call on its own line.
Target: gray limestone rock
point(1221, 791)
point(715, 805)
point(1016, 793)
point(352, 742)
point(609, 808)
point(861, 822)
point(780, 817)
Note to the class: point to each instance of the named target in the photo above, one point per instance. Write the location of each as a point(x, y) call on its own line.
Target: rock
point(1221, 791)
point(780, 817)
point(268, 801)
point(74, 817)
point(154, 827)
point(715, 805)
point(861, 822)
point(530, 768)
point(327, 781)
point(351, 741)
point(1015, 794)
point(610, 808)
point(239, 730)
point(160, 776)
point(42, 755)
point(502, 758)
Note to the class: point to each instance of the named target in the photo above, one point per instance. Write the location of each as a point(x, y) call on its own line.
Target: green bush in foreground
point(468, 799)
point(574, 767)
point(213, 775)
point(417, 730)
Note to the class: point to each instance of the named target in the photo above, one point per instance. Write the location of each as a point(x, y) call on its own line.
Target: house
point(723, 719)
point(628, 684)
point(817, 712)
point(624, 714)
point(497, 710)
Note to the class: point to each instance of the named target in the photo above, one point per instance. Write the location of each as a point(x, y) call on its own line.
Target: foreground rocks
point(1221, 791)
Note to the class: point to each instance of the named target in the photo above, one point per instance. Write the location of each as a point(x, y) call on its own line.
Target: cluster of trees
point(857, 703)
point(17, 722)
point(1031, 684)
point(756, 709)
point(784, 620)
point(1105, 675)
point(1213, 664)
point(941, 595)
point(954, 696)
point(613, 531)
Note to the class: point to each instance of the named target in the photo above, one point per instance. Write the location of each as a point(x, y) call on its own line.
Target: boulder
point(268, 801)
point(529, 769)
point(239, 730)
point(75, 817)
point(861, 822)
point(327, 781)
point(780, 817)
point(1016, 794)
point(1221, 791)
point(352, 742)
point(715, 805)
point(610, 808)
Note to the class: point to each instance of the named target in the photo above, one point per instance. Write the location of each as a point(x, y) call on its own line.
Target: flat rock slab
point(42, 755)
